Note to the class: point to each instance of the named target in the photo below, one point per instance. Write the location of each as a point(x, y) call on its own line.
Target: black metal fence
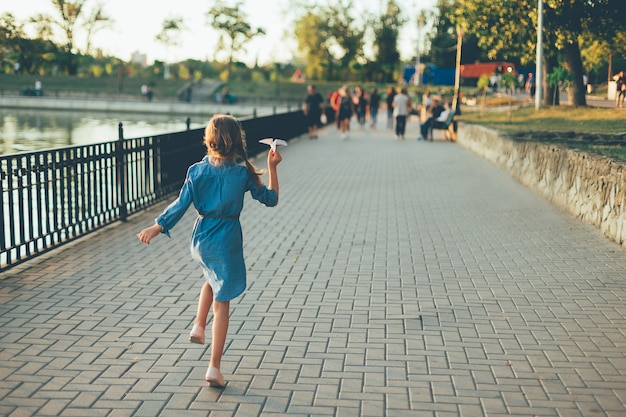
point(49, 198)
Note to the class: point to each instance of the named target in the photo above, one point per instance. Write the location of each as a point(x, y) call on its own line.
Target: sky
point(137, 22)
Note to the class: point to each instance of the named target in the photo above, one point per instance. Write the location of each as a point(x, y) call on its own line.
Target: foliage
point(559, 78)
point(33, 55)
point(386, 34)
point(169, 35)
point(232, 21)
point(483, 84)
point(332, 39)
point(94, 22)
point(508, 81)
point(346, 37)
point(502, 28)
point(311, 33)
point(339, 40)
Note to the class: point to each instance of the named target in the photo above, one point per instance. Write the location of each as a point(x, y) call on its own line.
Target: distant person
point(447, 108)
point(216, 187)
point(144, 91)
point(620, 92)
point(345, 111)
point(38, 88)
point(401, 109)
point(149, 93)
point(530, 86)
point(426, 103)
point(313, 106)
point(335, 100)
point(360, 105)
point(391, 93)
point(224, 97)
point(440, 122)
point(433, 113)
point(374, 106)
point(520, 83)
point(16, 67)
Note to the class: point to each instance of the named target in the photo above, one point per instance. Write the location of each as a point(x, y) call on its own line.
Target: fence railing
point(49, 198)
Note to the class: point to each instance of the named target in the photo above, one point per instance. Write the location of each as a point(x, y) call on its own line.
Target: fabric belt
point(217, 217)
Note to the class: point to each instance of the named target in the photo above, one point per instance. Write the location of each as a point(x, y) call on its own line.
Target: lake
point(25, 130)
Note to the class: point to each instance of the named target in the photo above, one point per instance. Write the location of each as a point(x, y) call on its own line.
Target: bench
point(448, 126)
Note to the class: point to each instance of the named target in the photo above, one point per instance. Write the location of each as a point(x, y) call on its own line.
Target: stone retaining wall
point(593, 188)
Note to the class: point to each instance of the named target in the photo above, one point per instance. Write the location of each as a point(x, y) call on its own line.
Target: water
point(31, 130)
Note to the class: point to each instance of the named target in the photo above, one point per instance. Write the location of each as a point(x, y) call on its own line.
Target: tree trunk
point(574, 64)
point(551, 96)
point(610, 75)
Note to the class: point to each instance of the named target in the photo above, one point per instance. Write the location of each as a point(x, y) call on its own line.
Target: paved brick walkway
point(393, 279)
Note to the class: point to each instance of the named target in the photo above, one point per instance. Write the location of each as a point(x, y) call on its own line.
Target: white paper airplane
point(273, 142)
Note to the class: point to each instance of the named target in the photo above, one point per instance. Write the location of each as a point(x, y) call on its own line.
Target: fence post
point(121, 173)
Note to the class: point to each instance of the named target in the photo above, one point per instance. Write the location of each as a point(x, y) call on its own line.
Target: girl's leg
point(220, 328)
point(204, 305)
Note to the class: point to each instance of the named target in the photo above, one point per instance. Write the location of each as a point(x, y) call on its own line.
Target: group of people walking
point(366, 105)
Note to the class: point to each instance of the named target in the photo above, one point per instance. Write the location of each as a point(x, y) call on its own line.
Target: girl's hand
point(273, 158)
point(149, 233)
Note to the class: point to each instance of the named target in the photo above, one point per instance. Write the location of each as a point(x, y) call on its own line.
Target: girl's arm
point(273, 159)
point(149, 233)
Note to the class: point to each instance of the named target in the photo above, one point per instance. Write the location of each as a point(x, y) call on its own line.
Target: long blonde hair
point(225, 139)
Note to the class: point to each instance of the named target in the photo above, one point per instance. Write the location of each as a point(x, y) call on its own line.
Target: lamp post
point(457, 75)
point(421, 21)
point(539, 64)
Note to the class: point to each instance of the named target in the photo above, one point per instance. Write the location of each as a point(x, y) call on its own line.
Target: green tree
point(386, 34)
point(502, 28)
point(33, 55)
point(345, 36)
point(559, 78)
point(96, 21)
point(69, 12)
point(71, 16)
point(483, 84)
point(328, 37)
point(312, 34)
point(232, 21)
point(170, 37)
point(443, 38)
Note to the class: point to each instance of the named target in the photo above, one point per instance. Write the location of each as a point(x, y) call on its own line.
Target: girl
point(216, 187)
point(345, 111)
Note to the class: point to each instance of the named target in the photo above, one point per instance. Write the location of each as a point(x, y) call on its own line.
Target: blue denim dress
point(217, 193)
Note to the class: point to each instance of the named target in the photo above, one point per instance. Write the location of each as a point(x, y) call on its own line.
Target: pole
point(418, 77)
point(457, 75)
point(421, 21)
point(539, 64)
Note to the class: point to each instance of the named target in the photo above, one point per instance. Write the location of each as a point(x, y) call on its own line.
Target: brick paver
point(395, 278)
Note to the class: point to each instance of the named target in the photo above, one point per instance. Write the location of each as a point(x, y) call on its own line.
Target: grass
point(100, 87)
point(596, 130)
point(552, 119)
